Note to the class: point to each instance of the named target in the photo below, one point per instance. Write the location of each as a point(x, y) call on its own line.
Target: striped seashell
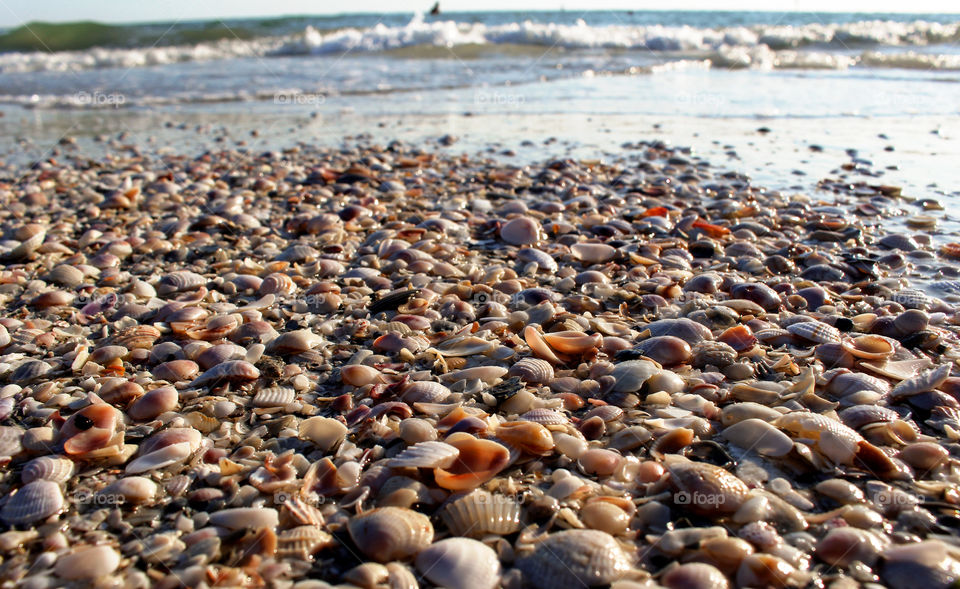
point(605, 412)
point(138, 337)
point(575, 558)
point(30, 371)
point(274, 397)
point(397, 327)
point(429, 454)
point(858, 416)
point(33, 502)
point(391, 533)
point(425, 391)
point(58, 469)
point(65, 275)
point(180, 281)
point(302, 542)
point(479, 513)
point(234, 370)
point(298, 253)
point(542, 259)
point(464, 346)
point(815, 331)
point(533, 370)
point(545, 416)
point(175, 370)
point(277, 283)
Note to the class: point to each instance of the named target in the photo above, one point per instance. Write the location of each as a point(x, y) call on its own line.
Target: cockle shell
point(430, 454)
point(58, 469)
point(274, 397)
point(93, 432)
point(815, 331)
point(33, 502)
point(425, 391)
point(390, 533)
point(480, 513)
point(232, 371)
point(725, 492)
point(179, 281)
point(460, 562)
point(302, 542)
point(573, 559)
point(533, 370)
point(869, 347)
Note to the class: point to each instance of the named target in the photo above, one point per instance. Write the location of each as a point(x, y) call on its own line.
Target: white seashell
point(58, 469)
point(130, 489)
point(234, 370)
point(533, 370)
point(425, 391)
point(464, 346)
point(274, 397)
point(325, 432)
point(391, 533)
point(573, 559)
point(487, 374)
point(815, 331)
point(295, 342)
point(756, 435)
point(479, 513)
point(429, 454)
point(10, 441)
point(239, 518)
point(33, 502)
point(631, 375)
point(923, 382)
point(593, 253)
point(166, 456)
point(87, 563)
point(543, 260)
point(178, 281)
point(460, 562)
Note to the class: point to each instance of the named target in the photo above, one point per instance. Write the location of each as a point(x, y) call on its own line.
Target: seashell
point(632, 374)
point(278, 284)
point(538, 345)
point(35, 501)
point(324, 432)
point(600, 462)
point(302, 542)
point(725, 492)
point(295, 342)
point(545, 416)
point(10, 441)
point(666, 350)
point(843, 546)
point(924, 456)
point(298, 253)
point(606, 514)
point(232, 371)
point(756, 435)
point(815, 331)
point(58, 469)
point(694, 575)
point(686, 329)
point(93, 432)
point(858, 416)
point(154, 403)
point(528, 436)
point(359, 375)
point(464, 346)
point(764, 570)
point(425, 391)
point(428, 454)
point(274, 397)
point(544, 261)
point(843, 383)
point(54, 298)
point(131, 490)
point(180, 281)
point(165, 448)
point(521, 231)
point(175, 370)
point(929, 563)
point(572, 342)
point(218, 354)
point(87, 563)
point(593, 253)
point(390, 533)
point(486, 374)
point(898, 370)
point(478, 462)
point(30, 371)
point(532, 370)
point(28, 246)
point(573, 559)
point(923, 382)
point(460, 562)
point(833, 439)
point(480, 513)
point(239, 518)
point(139, 337)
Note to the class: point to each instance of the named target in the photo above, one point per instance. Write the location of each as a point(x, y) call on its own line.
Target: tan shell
point(425, 391)
point(815, 331)
point(460, 562)
point(756, 435)
point(720, 490)
point(33, 502)
point(232, 371)
point(532, 370)
point(391, 533)
point(430, 454)
point(274, 397)
point(480, 513)
point(573, 559)
point(593, 253)
point(302, 542)
point(869, 347)
point(58, 469)
point(88, 563)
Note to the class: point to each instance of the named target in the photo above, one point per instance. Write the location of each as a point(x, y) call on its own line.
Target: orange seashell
point(655, 212)
point(573, 342)
point(538, 345)
point(359, 375)
point(951, 250)
point(710, 229)
point(458, 414)
point(93, 432)
point(529, 436)
point(478, 462)
point(738, 337)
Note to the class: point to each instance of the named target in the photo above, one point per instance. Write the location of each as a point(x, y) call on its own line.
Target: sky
point(17, 12)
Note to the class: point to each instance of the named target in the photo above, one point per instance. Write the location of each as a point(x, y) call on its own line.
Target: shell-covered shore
point(385, 367)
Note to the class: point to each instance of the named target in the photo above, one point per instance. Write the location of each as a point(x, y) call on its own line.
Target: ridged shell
point(573, 559)
point(234, 370)
point(27, 246)
point(479, 513)
point(461, 563)
point(544, 260)
point(533, 370)
point(277, 284)
point(545, 416)
point(138, 337)
point(425, 391)
point(179, 281)
point(274, 397)
point(391, 533)
point(298, 253)
point(33, 502)
point(861, 415)
point(815, 331)
point(58, 469)
point(302, 542)
point(701, 478)
point(923, 382)
point(430, 454)
point(66, 275)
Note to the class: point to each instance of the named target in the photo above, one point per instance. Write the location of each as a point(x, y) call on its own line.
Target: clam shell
point(138, 337)
point(533, 370)
point(180, 281)
point(545, 416)
point(478, 462)
point(87, 563)
point(726, 491)
point(295, 342)
point(430, 454)
point(460, 562)
point(239, 518)
point(520, 231)
point(425, 391)
point(464, 346)
point(277, 284)
point(391, 533)
point(543, 260)
point(593, 253)
point(274, 397)
point(573, 559)
point(33, 502)
point(756, 435)
point(480, 513)
point(58, 469)
point(631, 375)
point(30, 371)
point(298, 253)
point(130, 489)
point(869, 347)
point(815, 331)
point(234, 370)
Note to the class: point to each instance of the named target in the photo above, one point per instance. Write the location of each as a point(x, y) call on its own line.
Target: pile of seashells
point(380, 367)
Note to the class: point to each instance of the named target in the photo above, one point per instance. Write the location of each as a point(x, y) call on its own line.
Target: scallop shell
point(707, 480)
point(66, 275)
point(302, 542)
point(274, 397)
point(461, 563)
point(425, 391)
point(430, 454)
point(545, 416)
point(33, 502)
point(58, 469)
point(180, 281)
point(234, 370)
point(480, 513)
point(573, 559)
point(138, 337)
point(815, 331)
point(391, 533)
point(533, 370)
